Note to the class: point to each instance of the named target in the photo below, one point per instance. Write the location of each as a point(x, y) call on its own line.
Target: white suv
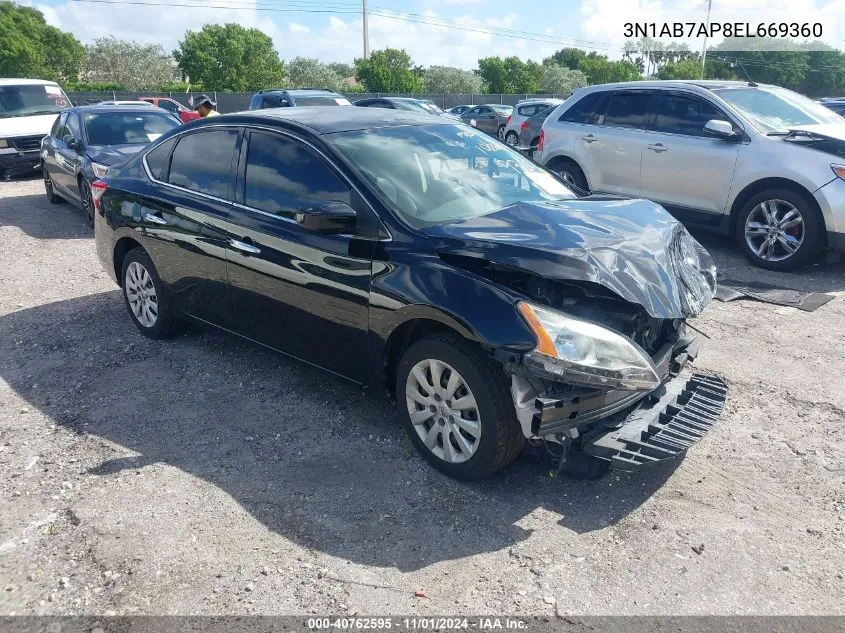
point(523, 110)
point(759, 162)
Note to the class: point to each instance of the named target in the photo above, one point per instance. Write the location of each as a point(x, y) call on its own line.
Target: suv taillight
point(98, 188)
point(523, 126)
point(540, 140)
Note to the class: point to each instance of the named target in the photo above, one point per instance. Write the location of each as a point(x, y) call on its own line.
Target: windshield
point(435, 174)
point(411, 104)
point(432, 106)
point(30, 100)
point(775, 110)
point(130, 128)
point(502, 109)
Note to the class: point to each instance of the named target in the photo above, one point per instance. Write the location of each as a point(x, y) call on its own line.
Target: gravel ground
point(205, 475)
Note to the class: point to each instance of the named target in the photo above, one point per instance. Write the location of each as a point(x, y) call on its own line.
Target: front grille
point(27, 143)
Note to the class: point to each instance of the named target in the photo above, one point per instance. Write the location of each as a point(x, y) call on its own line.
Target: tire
point(499, 438)
point(768, 244)
point(501, 133)
point(512, 139)
point(52, 196)
point(87, 200)
point(144, 276)
point(572, 174)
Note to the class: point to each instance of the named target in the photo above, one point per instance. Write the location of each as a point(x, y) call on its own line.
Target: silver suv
point(523, 110)
point(759, 162)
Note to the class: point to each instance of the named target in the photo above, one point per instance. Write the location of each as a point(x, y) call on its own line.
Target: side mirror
point(284, 103)
point(472, 122)
point(722, 129)
point(71, 142)
point(327, 217)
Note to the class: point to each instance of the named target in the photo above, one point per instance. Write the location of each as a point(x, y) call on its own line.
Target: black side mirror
point(327, 217)
point(71, 142)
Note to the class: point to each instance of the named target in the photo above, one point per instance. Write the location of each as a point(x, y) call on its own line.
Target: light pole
point(703, 48)
point(366, 32)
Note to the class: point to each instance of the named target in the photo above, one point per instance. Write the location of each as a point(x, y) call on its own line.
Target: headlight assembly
point(584, 353)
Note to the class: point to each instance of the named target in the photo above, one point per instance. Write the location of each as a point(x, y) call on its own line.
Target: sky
point(331, 30)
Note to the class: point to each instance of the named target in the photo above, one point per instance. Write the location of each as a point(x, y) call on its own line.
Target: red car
point(174, 107)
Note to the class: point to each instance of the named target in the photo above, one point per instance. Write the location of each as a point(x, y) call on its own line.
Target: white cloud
point(293, 27)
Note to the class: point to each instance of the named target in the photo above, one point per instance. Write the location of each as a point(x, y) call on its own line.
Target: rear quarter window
point(587, 110)
point(157, 158)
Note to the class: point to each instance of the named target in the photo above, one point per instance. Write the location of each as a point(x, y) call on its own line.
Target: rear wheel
point(512, 139)
point(501, 133)
point(571, 174)
point(146, 297)
point(780, 229)
point(456, 407)
point(52, 196)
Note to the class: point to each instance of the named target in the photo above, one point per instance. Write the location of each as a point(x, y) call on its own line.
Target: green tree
point(684, 69)
point(344, 70)
point(787, 68)
point(567, 57)
point(135, 66)
point(451, 80)
point(307, 72)
point(32, 48)
point(388, 70)
point(230, 57)
point(493, 74)
point(600, 70)
point(560, 80)
point(510, 75)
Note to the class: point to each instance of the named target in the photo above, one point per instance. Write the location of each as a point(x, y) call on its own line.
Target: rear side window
point(681, 113)
point(587, 110)
point(59, 125)
point(202, 161)
point(157, 158)
point(627, 108)
point(527, 110)
point(283, 175)
point(73, 126)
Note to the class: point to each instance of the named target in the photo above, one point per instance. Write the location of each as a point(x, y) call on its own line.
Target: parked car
point(759, 162)
point(415, 256)
point(174, 107)
point(837, 104)
point(436, 109)
point(87, 141)
point(28, 108)
point(529, 131)
point(126, 102)
point(488, 118)
point(523, 110)
point(404, 103)
point(299, 97)
point(459, 109)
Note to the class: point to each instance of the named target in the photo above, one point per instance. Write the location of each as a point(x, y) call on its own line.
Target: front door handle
point(590, 138)
point(244, 247)
point(154, 219)
point(658, 147)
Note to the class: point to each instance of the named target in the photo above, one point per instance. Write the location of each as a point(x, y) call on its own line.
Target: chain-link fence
point(237, 101)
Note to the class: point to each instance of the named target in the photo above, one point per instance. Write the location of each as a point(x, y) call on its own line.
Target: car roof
point(708, 84)
point(327, 120)
point(11, 81)
point(302, 92)
point(123, 109)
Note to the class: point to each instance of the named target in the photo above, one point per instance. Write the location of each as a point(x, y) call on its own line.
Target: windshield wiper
point(779, 133)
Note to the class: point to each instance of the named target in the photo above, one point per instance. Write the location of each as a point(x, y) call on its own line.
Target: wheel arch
point(121, 249)
point(758, 186)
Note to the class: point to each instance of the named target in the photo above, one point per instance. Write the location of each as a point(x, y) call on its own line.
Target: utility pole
point(703, 48)
point(366, 33)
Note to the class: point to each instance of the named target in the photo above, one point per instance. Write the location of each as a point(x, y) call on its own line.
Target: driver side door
point(68, 160)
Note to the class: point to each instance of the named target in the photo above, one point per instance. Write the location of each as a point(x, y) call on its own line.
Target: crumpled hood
point(634, 248)
point(832, 131)
point(112, 154)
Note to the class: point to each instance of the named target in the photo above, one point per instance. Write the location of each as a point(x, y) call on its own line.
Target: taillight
point(523, 126)
point(540, 140)
point(508, 120)
point(98, 188)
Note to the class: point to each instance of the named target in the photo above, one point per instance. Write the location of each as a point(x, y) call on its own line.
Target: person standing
point(205, 106)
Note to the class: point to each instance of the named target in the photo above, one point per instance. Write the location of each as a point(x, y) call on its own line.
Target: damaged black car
point(423, 259)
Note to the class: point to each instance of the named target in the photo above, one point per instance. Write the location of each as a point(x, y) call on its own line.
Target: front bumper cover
point(19, 163)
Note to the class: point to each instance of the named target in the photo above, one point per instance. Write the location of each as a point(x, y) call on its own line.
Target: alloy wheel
point(501, 134)
point(774, 230)
point(511, 139)
point(141, 294)
point(87, 201)
point(443, 410)
point(568, 178)
point(48, 183)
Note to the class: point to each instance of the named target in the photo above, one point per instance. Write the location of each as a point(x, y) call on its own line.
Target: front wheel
point(456, 407)
point(780, 229)
point(146, 297)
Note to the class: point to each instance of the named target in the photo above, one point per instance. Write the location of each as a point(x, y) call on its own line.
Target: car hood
point(27, 125)
point(112, 154)
point(634, 248)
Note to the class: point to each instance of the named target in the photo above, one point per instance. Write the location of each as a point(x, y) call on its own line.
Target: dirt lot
point(206, 476)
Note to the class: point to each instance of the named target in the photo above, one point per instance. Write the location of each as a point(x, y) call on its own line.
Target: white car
point(28, 109)
point(523, 110)
point(759, 162)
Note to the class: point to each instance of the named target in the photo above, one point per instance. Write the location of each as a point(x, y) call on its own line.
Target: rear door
point(616, 146)
point(68, 160)
point(304, 293)
point(182, 216)
point(48, 153)
point(683, 167)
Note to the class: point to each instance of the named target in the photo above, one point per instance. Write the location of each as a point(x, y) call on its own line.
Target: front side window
point(73, 126)
point(685, 114)
point(283, 175)
point(434, 174)
point(775, 110)
point(202, 161)
point(31, 100)
point(129, 128)
point(627, 108)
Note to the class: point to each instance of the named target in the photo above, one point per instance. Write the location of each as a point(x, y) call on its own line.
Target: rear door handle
point(658, 147)
point(154, 219)
point(244, 247)
point(590, 138)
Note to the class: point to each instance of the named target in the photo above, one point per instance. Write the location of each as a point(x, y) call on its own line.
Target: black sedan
point(86, 141)
point(420, 258)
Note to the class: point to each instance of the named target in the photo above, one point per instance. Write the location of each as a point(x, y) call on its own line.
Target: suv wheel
point(456, 407)
point(780, 229)
point(146, 297)
point(571, 174)
point(512, 139)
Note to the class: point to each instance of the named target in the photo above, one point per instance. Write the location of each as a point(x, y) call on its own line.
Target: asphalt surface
point(205, 475)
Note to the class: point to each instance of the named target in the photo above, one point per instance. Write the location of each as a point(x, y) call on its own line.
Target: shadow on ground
point(39, 219)
point(306, 454)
